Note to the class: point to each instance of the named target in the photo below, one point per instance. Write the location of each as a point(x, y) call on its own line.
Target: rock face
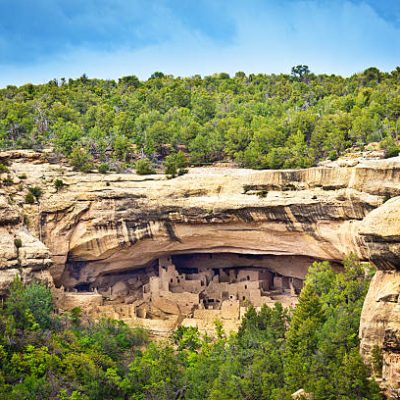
point(92, 228)
point(380, 319)
point(102, 226)
point(20, 252)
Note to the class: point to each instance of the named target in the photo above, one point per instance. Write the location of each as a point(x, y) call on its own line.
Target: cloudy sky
point(45, 39)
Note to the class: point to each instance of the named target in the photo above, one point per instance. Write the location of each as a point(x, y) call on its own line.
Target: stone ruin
point(190, 290)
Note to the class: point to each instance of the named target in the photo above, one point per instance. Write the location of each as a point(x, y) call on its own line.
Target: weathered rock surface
point(380, 319)
point(132, 221)
point(20, 252)
point(102, 224)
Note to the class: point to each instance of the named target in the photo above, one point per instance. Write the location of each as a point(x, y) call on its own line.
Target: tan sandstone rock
point(103, 224)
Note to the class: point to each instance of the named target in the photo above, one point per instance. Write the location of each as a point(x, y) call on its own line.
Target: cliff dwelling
point(190, 289)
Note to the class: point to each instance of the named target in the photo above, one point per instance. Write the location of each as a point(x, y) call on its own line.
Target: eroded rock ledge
point(105, 229)
point(21, 253)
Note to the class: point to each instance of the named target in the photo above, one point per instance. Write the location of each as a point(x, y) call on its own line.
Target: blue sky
point(45, 39)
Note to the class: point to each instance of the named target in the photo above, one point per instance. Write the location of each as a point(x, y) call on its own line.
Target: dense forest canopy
point(275, 353)
point(259, 121)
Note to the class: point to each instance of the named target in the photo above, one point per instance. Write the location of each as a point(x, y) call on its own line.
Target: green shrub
point(392, 149)
point(3, 168)
point(182, 171)
point(81, 160)
point(7, 181)
point(144, 167)
point(170, 167)
point(36, 192)
point(103, 168)
point(377, 360)
point(333, 155)
point(26, 220)
point(18, 243)
point(30, 306)
point(75, 316)
point(39, 299)
point(29, 198)
point(58, 184)
point(175, 164)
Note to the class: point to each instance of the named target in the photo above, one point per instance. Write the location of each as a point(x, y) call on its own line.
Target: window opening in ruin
point(83, 287)
point(248, 277)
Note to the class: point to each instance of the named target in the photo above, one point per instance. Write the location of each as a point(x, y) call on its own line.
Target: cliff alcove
point(189, 288)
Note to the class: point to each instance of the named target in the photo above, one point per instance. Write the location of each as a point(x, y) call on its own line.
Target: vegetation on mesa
point(259, 121)
point(275, 352)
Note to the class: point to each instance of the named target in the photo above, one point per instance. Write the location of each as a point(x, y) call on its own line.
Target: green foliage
point(275, 352)
point(103, 168)
point(259, 121)
point(3, 168)
point(187, 338)
point(7, 181)
point(43, 356)
point(75, 316)
point(300, 72)
point(29, 307)
point(29, 198)
point(377, 360)
point(391, 147)
point(58, 184)
point(67, 136)
point(81, 160)
point(38, 299)
point(36, 192)
point(144, 167)
point(321, 353)
point(175, 164)
point(156, 373)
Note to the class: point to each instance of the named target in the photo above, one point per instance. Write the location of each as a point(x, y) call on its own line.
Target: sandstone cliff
point(102, 224)
point(20, 252)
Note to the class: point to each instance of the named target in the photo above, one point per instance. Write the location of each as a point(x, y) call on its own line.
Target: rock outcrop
point(380, 319)
point(20, 252)
point(113, 223)
point(98, 225)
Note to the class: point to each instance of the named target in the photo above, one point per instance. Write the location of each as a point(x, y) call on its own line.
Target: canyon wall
point(102, 224)
point(21, 253)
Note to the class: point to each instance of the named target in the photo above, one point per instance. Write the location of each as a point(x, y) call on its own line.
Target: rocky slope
point(21, 253)
point(101, 224)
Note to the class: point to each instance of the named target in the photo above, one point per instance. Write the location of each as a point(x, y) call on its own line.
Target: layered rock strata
point(103, 225)
point(21, 253)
